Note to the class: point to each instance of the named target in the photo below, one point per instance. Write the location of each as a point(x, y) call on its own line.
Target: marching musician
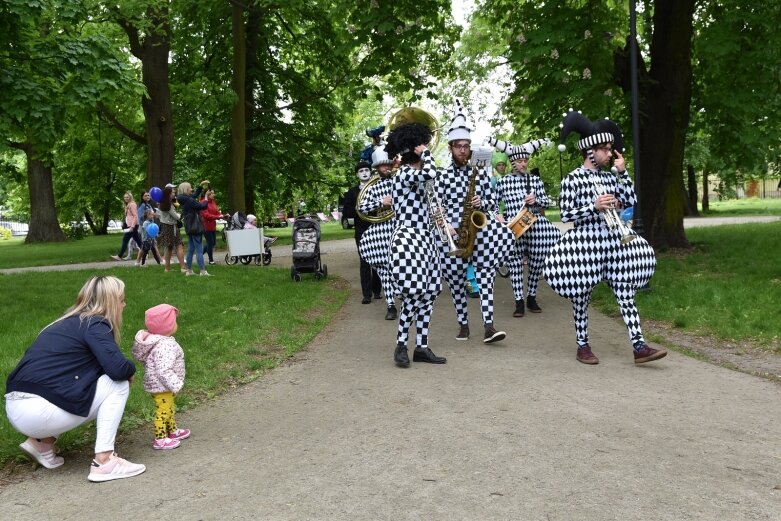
point(492, 243)
point(414, 261)
point(375, 242)
point(521, 190)
point(593, 251)
point(370, 280)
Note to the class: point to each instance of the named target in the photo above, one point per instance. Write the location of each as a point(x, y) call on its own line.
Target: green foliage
point(5, 234)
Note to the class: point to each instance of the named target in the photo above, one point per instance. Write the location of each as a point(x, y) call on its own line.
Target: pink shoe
point(45, 456)
point(165, 444)
point(114, 468)
point(179, 434)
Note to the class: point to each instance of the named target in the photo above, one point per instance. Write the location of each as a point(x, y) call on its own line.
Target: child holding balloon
point(149, 231)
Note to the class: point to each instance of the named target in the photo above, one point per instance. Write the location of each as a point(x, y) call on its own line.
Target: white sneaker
point(136, 264)
point(189, 273)
point(47, 458)
point(114, 468)
point(205, 273)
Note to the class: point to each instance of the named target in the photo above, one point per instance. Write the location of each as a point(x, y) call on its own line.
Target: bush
point(75, 230)
point(5, 234)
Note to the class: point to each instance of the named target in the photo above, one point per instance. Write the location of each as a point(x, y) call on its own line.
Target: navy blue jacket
point(65, 361)
point(190, 204)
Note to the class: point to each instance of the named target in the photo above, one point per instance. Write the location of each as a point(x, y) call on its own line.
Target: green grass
point(736, 207)
point(729, 285)
point(14, 253)
point(233, 327)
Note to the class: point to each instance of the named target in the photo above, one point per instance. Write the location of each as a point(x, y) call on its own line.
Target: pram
point(306, 249)
point(244, 245)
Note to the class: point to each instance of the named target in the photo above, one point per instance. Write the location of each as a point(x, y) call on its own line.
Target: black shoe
point(492, 335)
point(463, 333)
point(366, 300)
point(519, 309)
point(400, 356)
point(392, 313)
point(425, 355)
point(474, 294)
point(377, 296)
point(531, 303)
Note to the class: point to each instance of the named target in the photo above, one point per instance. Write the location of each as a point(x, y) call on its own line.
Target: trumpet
point(612, 219)
point(436, 214)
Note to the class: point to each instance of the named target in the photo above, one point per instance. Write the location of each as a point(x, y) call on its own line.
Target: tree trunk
point(692, 183)
point(44, 226)
point(251, 70)
point(153, 51)
point(666, 98)
point(705, 188)
point(236, 200)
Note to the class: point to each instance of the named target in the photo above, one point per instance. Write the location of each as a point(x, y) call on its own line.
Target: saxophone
point(471, 220)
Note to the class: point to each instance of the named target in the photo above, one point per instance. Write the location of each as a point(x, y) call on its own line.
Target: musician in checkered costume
point(414, 261)
point(493, 243)
point(592, 251)
point(375, 242)
point(521, 190)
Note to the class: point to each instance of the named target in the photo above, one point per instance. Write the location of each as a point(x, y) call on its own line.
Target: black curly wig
point(404, 139)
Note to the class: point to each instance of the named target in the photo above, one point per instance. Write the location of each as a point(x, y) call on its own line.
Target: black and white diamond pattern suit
point(375, 242)
point(591, 252)
point(414, 260)
point(493, 244)
point(538, 240)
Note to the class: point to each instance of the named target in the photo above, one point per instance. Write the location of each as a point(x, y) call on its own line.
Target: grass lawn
point(752, 206)
point(14, 253)
point(233, 327)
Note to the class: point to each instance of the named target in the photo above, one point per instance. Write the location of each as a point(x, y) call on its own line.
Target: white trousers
point(36, 417)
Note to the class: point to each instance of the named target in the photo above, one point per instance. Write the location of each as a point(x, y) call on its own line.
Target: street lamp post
point(638, 217)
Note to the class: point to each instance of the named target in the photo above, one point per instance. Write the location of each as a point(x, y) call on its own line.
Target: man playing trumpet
point(521, 190)
point(593, 251)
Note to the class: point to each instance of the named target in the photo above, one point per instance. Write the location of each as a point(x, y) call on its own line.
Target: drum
point(521, 222)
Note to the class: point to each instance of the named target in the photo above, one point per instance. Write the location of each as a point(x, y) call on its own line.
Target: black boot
point(400, 356)
point(531, 303)
point(424, 354)
point(392, 313)
point(519, 311)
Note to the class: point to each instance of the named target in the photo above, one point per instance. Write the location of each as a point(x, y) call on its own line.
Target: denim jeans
point(194, 246)
point(208, 248)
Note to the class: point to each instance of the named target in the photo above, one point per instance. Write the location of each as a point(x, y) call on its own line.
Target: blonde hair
point(100, 296)
point(131, 199)
point(184, 188)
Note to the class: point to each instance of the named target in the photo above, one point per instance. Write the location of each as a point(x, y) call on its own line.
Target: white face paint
point(364, 174)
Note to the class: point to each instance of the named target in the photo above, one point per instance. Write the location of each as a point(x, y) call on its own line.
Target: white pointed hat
point(460, 128)
point(380, 157)
point(519, 151)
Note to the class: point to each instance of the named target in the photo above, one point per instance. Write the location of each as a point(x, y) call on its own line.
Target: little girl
point(148, 243)
point(164, 374)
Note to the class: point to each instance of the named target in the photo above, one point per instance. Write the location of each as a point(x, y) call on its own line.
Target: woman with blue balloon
point(149, 232)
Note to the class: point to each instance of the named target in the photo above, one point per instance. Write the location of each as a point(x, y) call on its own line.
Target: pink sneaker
point(43, 454)
point(179, 434)
point(114, 468)
point(165, 444)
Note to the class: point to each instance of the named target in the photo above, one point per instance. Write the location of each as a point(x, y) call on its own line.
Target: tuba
point(416, 115)
point(382, 214)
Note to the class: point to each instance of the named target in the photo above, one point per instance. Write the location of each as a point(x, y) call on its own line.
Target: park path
point(514, 431)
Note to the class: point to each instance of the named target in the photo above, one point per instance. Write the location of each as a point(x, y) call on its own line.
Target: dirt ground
point(514, 430)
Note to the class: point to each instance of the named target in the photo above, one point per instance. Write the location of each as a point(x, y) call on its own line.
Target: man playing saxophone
point(466, 193)
point(375, 203)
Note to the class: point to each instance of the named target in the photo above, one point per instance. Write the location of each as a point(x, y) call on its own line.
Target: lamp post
point(638, 217)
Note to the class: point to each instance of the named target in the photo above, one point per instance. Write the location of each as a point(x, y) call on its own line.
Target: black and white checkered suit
point(375, 242)
point(538, 240)
point(591, 252)
point(414, 260)
point(492, 245)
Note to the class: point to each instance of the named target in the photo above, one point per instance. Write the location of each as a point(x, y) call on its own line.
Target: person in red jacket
point(209, 217)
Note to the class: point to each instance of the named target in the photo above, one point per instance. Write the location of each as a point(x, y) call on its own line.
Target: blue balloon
point(156, 194)
point(628, 214)
point(152, 230)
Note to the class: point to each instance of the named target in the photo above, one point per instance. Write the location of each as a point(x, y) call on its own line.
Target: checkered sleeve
point(573, 200)
point(429, 168)
point(372, 199)
point(543, 200)
point(625, 190)
point(488, 202)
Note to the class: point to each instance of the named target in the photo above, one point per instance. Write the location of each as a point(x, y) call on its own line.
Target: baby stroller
point(306, 249)
point(243, 254)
